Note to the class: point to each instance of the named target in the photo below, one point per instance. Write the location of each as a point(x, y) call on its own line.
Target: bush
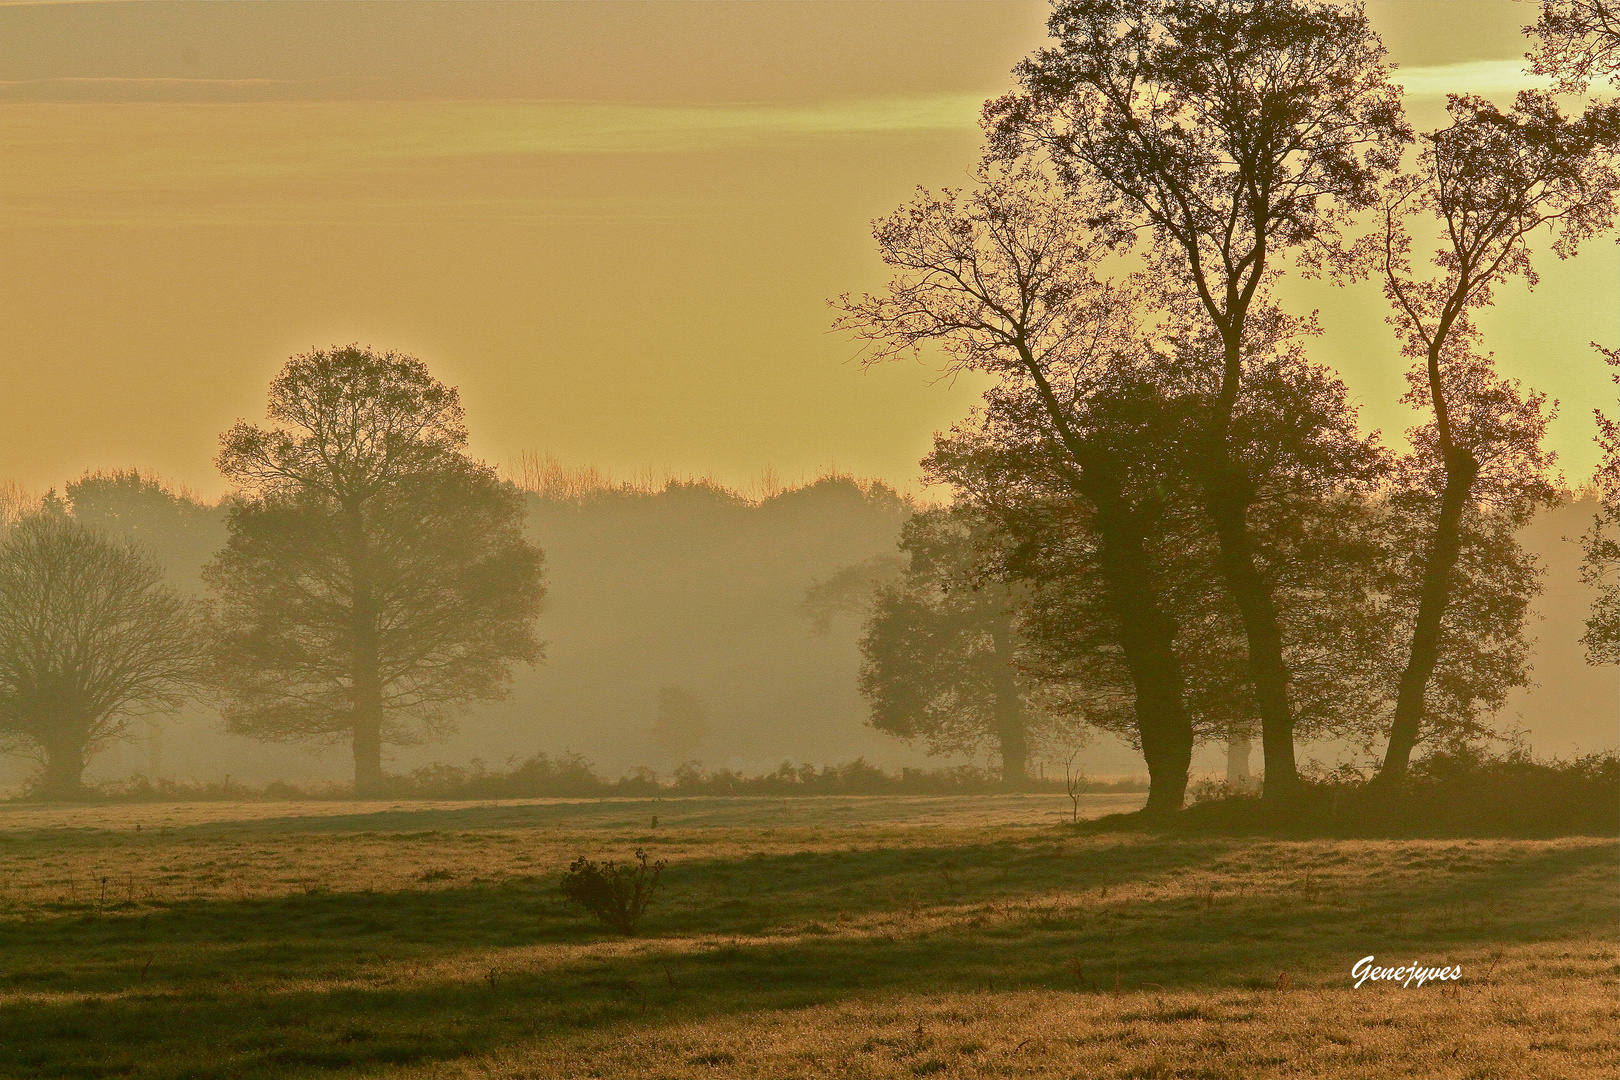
point(1458, 792)
point(617, 895)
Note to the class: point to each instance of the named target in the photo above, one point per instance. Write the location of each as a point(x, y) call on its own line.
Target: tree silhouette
point(90, 638)
point(376, 580)
point(941, 651)
point(1229, 133)
point(1601, 543)
point(1004, 281)
point(1578, 41)
point(1490, 180)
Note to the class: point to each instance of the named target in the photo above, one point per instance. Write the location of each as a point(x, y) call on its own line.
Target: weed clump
point(617, 895)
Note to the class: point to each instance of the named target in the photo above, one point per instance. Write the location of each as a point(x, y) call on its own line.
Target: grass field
point(859, 937)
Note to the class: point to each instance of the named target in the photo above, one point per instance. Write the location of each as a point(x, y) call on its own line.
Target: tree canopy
point(90, 638)
point(376, 580)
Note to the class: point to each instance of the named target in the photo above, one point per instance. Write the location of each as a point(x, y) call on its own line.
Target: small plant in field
point(616, 895)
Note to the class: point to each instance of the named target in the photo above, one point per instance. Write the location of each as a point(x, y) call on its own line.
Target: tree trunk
point(366, 660)
point(1444, 547)
point(367, 756)
point(1228, 494)
point(1237, 759)
point(1147, 639)
point(65, 761)
point(1011, 732)
point(1146, 633)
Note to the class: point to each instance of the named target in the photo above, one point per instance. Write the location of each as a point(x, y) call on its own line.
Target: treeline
point(1169, 522)
point(572, 776)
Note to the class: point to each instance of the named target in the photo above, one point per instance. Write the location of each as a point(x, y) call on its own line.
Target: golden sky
point(613, 225)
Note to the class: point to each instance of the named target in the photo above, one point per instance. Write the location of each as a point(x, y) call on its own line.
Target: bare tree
point(1489, 180)
point(376, 580)
point(90, 639)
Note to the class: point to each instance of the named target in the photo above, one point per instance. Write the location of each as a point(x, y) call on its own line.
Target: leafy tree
point(1003, 280)
point(175, 526)
point(90, 638)
point(1490, 180)
point(1601, 543)
point(941, 651)
point(1315, 516)
point(1578, 42)
point(1229, 132)
point(376, 580)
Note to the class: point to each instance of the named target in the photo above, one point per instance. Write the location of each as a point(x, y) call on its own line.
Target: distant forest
point(688, 586)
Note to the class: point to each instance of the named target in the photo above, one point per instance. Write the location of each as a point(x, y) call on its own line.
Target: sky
point(614, 226)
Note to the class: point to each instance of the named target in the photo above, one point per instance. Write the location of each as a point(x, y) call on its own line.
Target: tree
point(1579, 41)
point(1004, 281)
point(1315, 517)
point(90, 638)
point(1490, 180)
point(681, 723)
point(1229, 131)
point(1601, 543)
point(941, 650)
point(376, 580)
point(174, 526)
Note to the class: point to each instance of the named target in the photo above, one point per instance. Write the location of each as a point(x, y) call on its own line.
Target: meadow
point(972, 936)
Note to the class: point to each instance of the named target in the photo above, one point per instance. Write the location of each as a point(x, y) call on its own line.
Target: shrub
point(617, 895)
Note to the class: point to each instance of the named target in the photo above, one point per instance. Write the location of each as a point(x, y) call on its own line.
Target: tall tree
point(376, 580)
point(1489, 181)
point(1003, 280)
point(1314, 514)
point(1230, 132)
point(90, 638)
point(941, 651)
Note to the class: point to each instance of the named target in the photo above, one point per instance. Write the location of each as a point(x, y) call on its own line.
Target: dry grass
point(797, 937)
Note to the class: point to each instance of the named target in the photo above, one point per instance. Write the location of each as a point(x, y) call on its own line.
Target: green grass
point(902, 936)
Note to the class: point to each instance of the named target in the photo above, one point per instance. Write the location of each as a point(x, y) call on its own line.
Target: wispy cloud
point(1486, 78)
point(176, 161)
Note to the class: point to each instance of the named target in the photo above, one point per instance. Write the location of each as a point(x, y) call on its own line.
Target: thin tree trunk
point(1444, 547)
point(1011, 732)
point(1228, 494)
point(1238, 748)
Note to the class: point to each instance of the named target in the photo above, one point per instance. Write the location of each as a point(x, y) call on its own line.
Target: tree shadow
point(313, 983)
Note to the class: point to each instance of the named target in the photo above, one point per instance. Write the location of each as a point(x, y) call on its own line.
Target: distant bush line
point(572, 776)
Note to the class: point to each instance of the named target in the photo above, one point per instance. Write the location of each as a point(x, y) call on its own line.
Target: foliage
point(1227, 134)
point(941, 650)
point(90, 638)
point(1004, 280)
point(376, 580)
point(175, 526)
point(1601, 543)
point(1578, 42)
point(616, 895)
point(1461, 791)
point(1489, 180)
